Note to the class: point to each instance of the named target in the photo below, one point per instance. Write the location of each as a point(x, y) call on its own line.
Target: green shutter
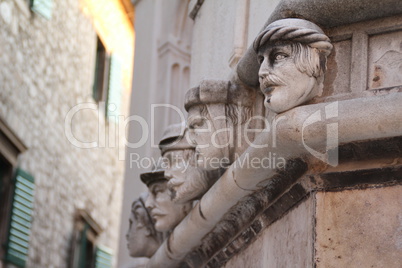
point(82, 263)
point(21, 219)
point(104, 257)
point(43, 8)
point(115, 88)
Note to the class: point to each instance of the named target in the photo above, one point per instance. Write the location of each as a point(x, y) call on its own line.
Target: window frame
point(11, 146)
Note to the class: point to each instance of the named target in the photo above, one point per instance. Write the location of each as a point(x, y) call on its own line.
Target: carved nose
point(149, 204)
point(262, 75)
point(263, 71)
point(168, 175)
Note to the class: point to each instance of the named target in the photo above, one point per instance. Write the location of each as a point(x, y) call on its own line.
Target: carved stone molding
point(237, 230)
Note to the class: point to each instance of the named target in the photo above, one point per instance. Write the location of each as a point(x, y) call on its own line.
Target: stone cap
point(174, 138)
point(155, 175)
point(294, 30)
point(218, 91)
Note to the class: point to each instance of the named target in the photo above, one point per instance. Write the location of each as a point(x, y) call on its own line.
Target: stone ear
point(140, 225)
point(148, 232)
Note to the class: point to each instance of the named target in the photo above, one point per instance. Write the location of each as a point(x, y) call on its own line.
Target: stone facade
point(324, 203)
point(161, 76)
point(47, 69)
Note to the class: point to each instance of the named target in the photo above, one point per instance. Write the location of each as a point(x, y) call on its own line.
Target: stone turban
point(294, 30)
point(174, 138)
point(218, 91)
point(156, 174)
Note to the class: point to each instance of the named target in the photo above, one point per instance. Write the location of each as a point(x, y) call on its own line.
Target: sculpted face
point(209, 136)
point(140, 242)
point(281, 81)
point(164, 211)
point(185, 180)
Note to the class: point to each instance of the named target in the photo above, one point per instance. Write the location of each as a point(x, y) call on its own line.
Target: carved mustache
point(174, 183)
point(271, 80)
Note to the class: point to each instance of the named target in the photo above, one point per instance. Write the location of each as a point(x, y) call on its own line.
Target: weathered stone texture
point(385, 60)
point(286, 243)
point(47, 68)
point(359, 228)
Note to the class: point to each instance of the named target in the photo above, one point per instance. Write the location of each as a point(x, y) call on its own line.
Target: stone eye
point(260, 59)
point(196, 123)
point(280, 56)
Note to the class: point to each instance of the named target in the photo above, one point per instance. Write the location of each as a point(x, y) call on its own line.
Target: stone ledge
point(289, 200)
point(242, 224)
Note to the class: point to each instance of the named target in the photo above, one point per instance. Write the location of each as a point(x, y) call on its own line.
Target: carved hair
point(308, 60)
point(188, 154)
point(232, 111)
point(219, 92)
point(146, 219)
point(309, 43)
point(295, 31)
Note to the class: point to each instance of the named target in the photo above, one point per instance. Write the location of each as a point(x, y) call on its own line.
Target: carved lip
point(157, 214)
point(268, 98)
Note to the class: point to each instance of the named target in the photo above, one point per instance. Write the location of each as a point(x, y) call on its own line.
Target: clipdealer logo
point(331, 154)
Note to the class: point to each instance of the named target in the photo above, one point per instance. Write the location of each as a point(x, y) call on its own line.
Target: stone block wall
point(47, 69)
point(350, 228)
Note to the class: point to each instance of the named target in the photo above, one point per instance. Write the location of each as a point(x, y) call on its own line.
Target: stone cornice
point(170, 46)
point(360, 120)
point(256, 212)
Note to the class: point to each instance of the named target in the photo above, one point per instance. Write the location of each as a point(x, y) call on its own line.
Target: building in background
point(161, 76)
point(172, 54)
point(327, 214)
point(65, 84)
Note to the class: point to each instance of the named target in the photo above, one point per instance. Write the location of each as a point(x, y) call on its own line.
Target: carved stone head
point(186, 180)
point(142, 238)
point(165, 213)
point(292, 54)
point(218, 113)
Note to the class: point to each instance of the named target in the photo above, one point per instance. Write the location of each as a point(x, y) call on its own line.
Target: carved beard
point(196, 186)
point(193, 188)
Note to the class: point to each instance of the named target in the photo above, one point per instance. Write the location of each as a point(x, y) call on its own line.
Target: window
point(108, 82)
point(101, 73)
point(21, 219)
point(103, 257)
point(43, 8)
point(10, 148)
point(86, 252)
point(6, 190)
point(115, 89)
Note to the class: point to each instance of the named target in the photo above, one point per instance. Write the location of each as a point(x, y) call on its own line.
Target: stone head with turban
point(292, 54)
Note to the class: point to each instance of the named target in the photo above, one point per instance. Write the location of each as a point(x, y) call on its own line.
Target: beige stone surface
point(47, 69)
point(286, 243)
point(359, 228)
point(385, 60)
point(212, 51)
point(161, 76)
point(337, 76)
